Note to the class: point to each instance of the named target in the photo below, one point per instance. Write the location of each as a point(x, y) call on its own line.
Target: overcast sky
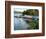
point(20, 9)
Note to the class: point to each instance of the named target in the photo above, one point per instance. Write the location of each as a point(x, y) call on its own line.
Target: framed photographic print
point(24, 19)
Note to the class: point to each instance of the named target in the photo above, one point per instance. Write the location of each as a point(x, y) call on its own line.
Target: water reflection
point(20, 23)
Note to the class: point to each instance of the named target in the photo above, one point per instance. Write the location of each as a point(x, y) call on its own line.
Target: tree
point(33, 12)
